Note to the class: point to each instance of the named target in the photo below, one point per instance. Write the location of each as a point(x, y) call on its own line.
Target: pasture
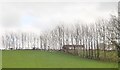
point(47, 59)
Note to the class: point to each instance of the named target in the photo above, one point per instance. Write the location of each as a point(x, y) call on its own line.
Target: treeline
point(98, 38)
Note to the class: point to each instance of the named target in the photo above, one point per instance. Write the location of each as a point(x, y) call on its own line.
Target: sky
point(38, 16)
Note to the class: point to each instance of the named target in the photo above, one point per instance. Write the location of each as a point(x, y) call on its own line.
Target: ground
point(46, 59)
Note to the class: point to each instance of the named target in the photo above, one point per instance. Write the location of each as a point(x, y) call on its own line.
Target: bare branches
point(105, 32)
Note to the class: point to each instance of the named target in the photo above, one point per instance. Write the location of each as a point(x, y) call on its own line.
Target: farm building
point(74, 49)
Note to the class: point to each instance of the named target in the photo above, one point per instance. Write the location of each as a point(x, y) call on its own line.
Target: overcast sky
point(37, 16)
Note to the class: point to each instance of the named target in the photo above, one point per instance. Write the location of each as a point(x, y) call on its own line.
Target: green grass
point(46, 59)
point(0, 59)
point(119, 63)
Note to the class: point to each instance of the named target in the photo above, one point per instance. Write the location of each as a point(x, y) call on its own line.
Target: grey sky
point(59, 0)
point(39, 16)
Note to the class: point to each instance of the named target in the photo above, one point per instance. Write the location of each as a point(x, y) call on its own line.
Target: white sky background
point(41, 16)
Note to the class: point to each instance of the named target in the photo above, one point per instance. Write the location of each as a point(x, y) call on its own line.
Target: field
point(46, 59)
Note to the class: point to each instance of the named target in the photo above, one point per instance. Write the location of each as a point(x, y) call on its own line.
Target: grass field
point(46, 59)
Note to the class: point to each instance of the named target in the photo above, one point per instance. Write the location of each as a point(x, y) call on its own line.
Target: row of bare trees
point(98, 38)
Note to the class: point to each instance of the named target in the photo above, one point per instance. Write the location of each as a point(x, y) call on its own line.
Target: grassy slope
point(0, 59)
point(45, 59)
